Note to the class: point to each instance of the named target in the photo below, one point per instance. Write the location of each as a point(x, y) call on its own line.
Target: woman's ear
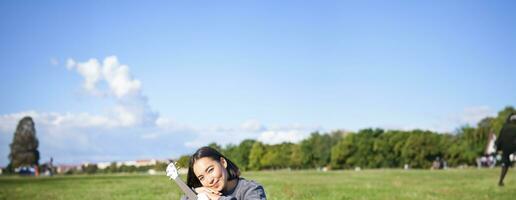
point(223, 162)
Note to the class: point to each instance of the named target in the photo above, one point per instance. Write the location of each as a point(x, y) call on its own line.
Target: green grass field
point(365, 184)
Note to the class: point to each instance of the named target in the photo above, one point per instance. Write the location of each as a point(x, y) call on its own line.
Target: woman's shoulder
point(250, 189)
point(246, 182)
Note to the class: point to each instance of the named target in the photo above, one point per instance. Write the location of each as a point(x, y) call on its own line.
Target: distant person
point(213, 174)
point(507, 144)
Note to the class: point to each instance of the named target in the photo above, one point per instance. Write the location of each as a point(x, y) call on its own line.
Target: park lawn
point(365, 184)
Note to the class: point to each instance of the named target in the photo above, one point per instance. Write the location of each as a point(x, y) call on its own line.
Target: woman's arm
point(255, 193)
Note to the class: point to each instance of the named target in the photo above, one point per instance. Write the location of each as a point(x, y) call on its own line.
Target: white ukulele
point(173, 174)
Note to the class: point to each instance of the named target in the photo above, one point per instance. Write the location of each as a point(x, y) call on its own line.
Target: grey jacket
point(244, 190)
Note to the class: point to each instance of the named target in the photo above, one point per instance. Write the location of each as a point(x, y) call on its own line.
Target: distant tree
point(112, 168)
point(316, 150)
point(269, 160)
point(160, 166)
point(128, 168)
point(276, 156)
point(183, 161)
point(387, 148)
point(342, 152)
point(90, 168)
point(468, 145)
point(295, 157)
point(285, 152)
point(24, 148)
point(497, 123)
point(255, 156)
point(239, 154)
point(421, 148)
point(216, 147)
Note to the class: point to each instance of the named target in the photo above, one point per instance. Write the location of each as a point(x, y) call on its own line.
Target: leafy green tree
point(342, 152)
point(183, 161)
point(316, 150)
point(216, 147)
point(90, 168)
point(388, 149)
point(364, 144)
point(255, 156)
point(240, 154)
point(269, 159)
point(276, 156)
point(500, 119)
point(160, 166)
point(112, 168)
point(421, 149)
point(295, 160)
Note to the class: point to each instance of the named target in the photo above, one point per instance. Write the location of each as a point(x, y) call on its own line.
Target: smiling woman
point(212, 174)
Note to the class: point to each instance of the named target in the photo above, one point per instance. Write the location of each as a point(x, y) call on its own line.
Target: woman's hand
point(212, 194)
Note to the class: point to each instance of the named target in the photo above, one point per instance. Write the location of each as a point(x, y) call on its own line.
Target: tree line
point(367, 148)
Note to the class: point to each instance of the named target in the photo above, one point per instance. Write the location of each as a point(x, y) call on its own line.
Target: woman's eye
point(201, 178)
point(210, 170)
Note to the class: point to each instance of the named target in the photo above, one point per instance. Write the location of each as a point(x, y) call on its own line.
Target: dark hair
point(192, 180)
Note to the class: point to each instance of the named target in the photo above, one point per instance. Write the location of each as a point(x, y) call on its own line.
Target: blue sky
point(187, 74)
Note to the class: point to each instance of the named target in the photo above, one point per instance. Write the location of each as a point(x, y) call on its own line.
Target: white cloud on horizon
point(85, 133)
point(249, 129)
point(287, 133)
point(277, 137)
point(450, 122)
point(473, 115)
point(468, 116)
point(8, 122)
point(252, 126)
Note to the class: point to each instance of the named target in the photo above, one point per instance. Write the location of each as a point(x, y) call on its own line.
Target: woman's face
point(211, 173)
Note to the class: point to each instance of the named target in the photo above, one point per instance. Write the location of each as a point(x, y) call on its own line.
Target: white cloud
point(204, 137)
point(473, 115)
point(90, 71)
point(287, 133)
point(129, 110)
point(276, 137)
point(118, 78)
point(252, 126)
point(8, 122)
point(132, 108)
point(169, 124)
point(449, 122)
point(130, 121)
point(468, 116)
point(251, 129)
point(70, 64)
point(73, 136)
